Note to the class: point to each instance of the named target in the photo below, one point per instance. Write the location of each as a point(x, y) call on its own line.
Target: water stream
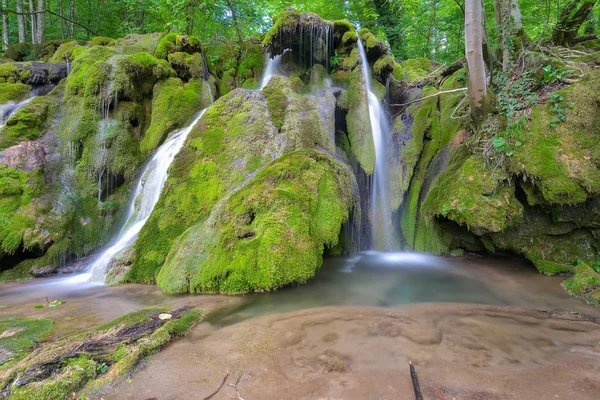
point(271, 69)
point(8, 110)
point(145, 197)
point(381, 215)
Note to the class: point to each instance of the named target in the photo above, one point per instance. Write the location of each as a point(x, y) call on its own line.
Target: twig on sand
point(235, 386)
point(210, 396)
point(415, 381)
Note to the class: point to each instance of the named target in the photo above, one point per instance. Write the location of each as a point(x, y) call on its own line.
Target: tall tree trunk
point(61, 17)
point(474, 54)
point(5, 42)
point(72, 15)
point(515, 12)
point(41, 21)
point(572, 16)
point(21, 21)
point(33, 22)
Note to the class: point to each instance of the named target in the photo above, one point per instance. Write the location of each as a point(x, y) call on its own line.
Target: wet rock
point(26, 156)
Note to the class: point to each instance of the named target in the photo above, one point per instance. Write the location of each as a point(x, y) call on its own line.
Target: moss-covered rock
point(13, 92)
point(173, 104)
point(373, 47)
point(234, 138)
point(585, 284)
point(174, 42)
point(562, 162)
point(470, 194)
point(268, 234)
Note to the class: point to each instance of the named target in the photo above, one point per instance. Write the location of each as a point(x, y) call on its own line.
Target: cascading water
point(381, 215)
point(146, 196)
point(271, 69)
point(8, 110)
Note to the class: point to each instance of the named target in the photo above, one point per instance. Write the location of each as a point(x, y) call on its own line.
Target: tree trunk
point(474, 54)
point(41, 21)
point(21, 22)
point(235, 22)
point(515, 12)
point(573, 15)
point(5, 40)
point(72, 15)
point(61, 17)
point(33, 22)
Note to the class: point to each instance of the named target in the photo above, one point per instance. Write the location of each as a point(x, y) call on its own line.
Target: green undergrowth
point(107, 353)
point(268, 234)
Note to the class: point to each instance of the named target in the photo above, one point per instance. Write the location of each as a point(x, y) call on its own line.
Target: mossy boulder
point(470, 194)
point(584, 284)
point(373, 47)
point(268, 234)
point(173, 43)
point(13, 92)
point(562, 161)
point(233, 139)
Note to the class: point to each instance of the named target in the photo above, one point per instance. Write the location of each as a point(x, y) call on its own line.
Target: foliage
point(558, 108)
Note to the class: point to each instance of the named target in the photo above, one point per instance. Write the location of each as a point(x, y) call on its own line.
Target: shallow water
point(364, 279)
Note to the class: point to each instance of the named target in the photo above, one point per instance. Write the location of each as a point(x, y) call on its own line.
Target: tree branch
point(429, 97)
point(51, 13)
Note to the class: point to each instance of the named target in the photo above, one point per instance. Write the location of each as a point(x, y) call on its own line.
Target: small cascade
point(7, 110)
point(381, 214)
point(145, 197)
point(271, 69)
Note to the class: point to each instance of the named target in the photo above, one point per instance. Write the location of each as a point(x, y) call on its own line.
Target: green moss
point(173, 105)
point(221, 149)
point(173, 42)
point(285, 20)
point(65, 51)
point(342, 26)
point(277, 103)
point(384, 66)
point(585, 284)
point(549, 267)
point(470, 194)
point(101, 41)
point(561, 162)
point(19, 336)
point(354, 99)
point(28, 123)
point(349, 38)
point(9, 73)
point(17, 190)
point(60, 386)
point(21, 52)
point(398, 72)
point(13, 92)
point(268, 234)
point(416, 68)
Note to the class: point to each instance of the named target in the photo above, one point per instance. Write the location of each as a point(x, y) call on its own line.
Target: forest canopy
point(413, 28)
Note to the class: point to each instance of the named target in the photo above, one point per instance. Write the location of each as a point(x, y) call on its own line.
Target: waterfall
point(8, 110)
point(381, 215)
point(145, 197)
point(271, 69)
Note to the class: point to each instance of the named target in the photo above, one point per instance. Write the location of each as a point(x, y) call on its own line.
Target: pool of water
point(381, 279)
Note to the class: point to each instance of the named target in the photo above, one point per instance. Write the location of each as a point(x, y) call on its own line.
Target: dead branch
point(235, 386)
point(210, 396)
point(415, 381)
point(429, 97)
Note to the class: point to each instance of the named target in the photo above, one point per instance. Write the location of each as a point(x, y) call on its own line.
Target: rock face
point(266, 180)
